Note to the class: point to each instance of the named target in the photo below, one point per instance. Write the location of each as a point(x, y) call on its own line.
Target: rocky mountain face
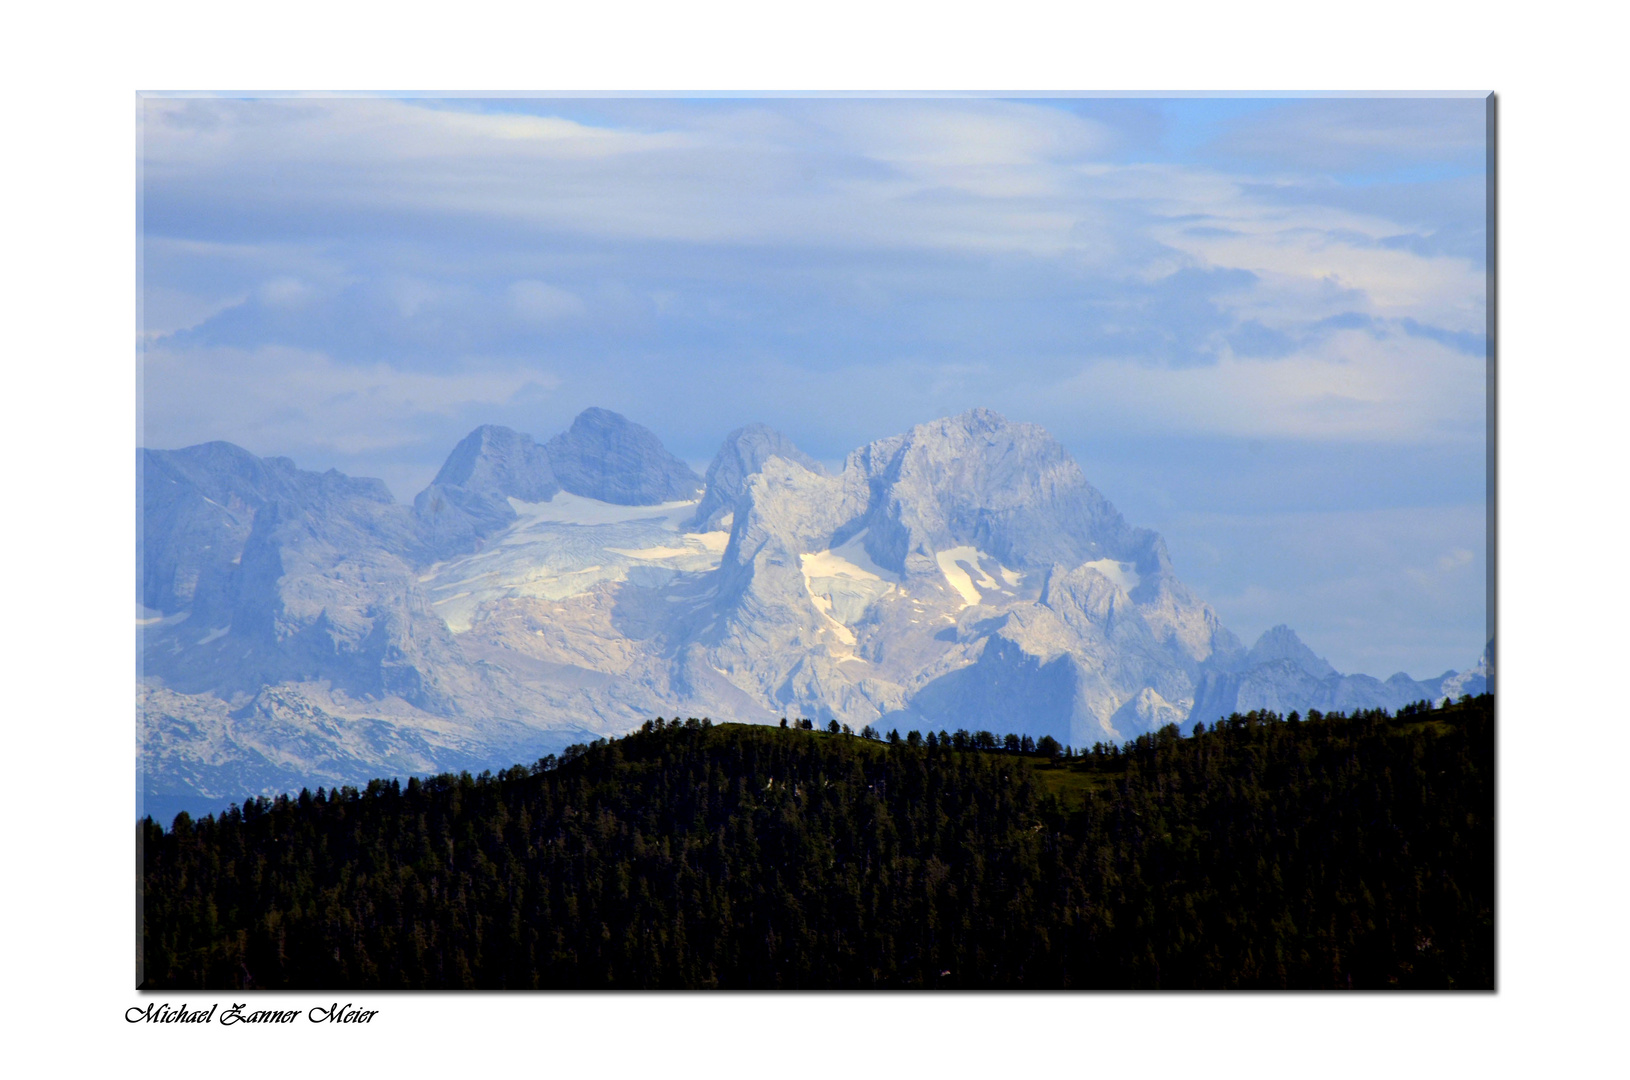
point(604, 457)
point(300, 628)
point(469, 498)
point(743, 454)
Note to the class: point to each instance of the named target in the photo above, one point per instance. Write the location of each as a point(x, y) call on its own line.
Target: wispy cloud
point(539, 301)
point(1349, 385)
point(954, 175)
point(300, 402)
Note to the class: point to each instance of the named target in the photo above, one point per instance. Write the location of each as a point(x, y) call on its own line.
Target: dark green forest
point(1335, 851)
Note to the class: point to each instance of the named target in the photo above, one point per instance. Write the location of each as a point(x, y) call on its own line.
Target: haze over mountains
point(300, 628)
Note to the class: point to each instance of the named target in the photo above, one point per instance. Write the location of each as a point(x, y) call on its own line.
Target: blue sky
point(1257, 323)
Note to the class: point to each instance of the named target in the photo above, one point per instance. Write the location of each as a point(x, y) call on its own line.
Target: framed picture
point(913, 542)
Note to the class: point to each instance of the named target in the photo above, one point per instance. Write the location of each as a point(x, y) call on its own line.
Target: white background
point(69, 409)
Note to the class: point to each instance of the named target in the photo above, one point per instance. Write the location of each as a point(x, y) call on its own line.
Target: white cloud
point(946, 175)
point(1309, 247)
point(538, 301)
point(1301, 251)
point(205, 132)
point(1350, 385)
point(279, 400)
point(286, 292)
point(1455, 559)
point(166, 309)
point(185, 281)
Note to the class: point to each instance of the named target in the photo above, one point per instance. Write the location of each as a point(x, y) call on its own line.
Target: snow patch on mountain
point(715, 542)
point(1477, 679)
point(968, 571)
point(843, 582)
point(565, 547)
point(829, 564)
point(1148, 711)
point(1123, 574)
point(650, 554)
point(568, 509)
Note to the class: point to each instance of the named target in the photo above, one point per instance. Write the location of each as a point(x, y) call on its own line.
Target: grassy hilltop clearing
point(1266, 852)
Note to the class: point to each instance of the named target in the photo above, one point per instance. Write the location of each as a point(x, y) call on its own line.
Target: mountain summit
point(469, 498)
point(1009, 489)
point(743, 454)
point(603, 456)
point(606, 457)
point(498, 461)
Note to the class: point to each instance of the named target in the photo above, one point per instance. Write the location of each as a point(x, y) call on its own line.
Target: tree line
point(961, 739)
point(1335, 851)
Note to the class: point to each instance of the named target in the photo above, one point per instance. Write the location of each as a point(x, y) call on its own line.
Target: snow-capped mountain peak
point(302, 628)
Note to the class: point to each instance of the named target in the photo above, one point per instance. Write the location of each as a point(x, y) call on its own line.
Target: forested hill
point(1335, 851)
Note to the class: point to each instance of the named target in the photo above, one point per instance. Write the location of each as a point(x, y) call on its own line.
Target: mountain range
point(299, 628)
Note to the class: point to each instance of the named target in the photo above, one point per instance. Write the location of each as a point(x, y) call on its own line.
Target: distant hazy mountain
point(302, 628)
point(604, 457)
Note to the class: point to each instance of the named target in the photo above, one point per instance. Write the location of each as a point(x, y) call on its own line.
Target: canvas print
point(925, 542)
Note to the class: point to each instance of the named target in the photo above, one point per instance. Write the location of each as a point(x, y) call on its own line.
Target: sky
point(1258, 324)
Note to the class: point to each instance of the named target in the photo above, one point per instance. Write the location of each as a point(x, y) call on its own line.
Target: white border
point(69, 426)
